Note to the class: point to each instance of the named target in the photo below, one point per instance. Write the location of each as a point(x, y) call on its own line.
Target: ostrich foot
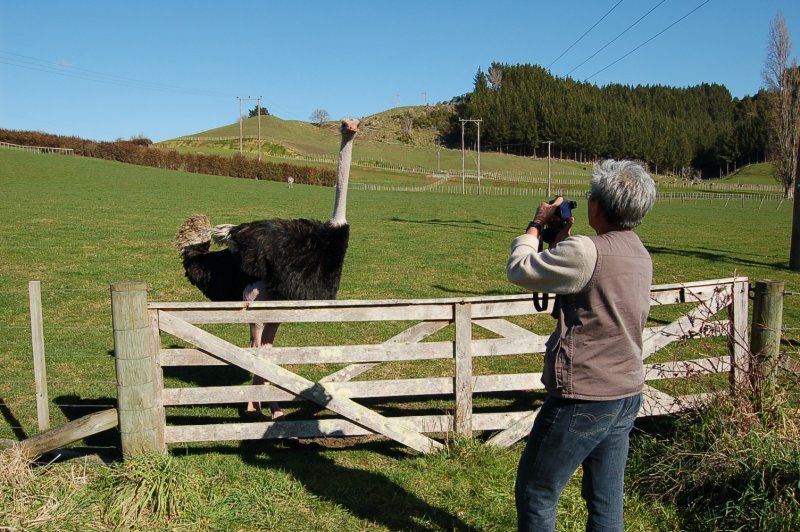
point(254, 411)
point(255, 415)
point(275, 410)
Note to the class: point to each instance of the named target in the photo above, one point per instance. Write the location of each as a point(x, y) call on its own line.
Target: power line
point(585, 33)
point(615, 38)
point(50, 67)
point(647, 41)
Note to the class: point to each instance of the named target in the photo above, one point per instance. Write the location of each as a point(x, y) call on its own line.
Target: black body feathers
point(218, 274)
point(296, 259)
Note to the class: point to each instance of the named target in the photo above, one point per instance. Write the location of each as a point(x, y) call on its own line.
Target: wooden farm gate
point(143, 422)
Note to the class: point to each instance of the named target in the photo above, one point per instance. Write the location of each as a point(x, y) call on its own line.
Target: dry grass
point(42, 497)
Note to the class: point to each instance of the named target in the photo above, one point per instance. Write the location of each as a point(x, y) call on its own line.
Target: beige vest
point(595, 352)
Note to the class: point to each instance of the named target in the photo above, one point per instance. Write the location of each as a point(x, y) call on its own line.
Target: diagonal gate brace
point(317, 392)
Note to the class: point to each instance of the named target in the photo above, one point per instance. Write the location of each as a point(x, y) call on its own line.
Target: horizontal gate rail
point(337, 393)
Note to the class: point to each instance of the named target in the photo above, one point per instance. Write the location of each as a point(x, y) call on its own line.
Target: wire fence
point(79, 363)
point(443, 186)
point(571, 178)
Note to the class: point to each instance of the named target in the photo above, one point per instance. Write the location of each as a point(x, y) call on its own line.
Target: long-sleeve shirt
point(563, 269)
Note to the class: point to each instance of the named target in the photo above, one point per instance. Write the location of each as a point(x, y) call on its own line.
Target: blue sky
point(110, 69)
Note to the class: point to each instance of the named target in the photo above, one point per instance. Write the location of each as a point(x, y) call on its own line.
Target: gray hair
point(625, 191)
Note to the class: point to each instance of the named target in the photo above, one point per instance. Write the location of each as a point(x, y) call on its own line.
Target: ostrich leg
point(262, 335)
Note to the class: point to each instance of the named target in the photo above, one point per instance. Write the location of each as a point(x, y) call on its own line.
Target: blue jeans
point(568, 433)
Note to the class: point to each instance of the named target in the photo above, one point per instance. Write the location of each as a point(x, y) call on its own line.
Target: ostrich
point(271, 259)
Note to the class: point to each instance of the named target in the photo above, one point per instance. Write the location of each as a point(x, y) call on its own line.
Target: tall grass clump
point(148, 488)
point(724, 467)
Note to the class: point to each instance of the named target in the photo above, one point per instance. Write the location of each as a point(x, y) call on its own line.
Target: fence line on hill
point(449, 188)
point(38, 149)
point(559, 178)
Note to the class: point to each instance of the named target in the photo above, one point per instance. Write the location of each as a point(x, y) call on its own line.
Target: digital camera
point(559, 220)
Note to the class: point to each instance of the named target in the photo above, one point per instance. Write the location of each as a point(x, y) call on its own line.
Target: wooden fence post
point(738, 339)
point(39, 366)
point(136, 401)
point(766, 337)
point(463, 385)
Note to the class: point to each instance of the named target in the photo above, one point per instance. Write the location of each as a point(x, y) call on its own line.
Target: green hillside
point(379, 141)
point(388, 152)
point(757, 174)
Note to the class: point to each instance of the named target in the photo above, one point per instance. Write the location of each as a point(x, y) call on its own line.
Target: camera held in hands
point(559, 220)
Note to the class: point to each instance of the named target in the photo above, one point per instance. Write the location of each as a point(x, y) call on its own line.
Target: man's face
point(593, 208)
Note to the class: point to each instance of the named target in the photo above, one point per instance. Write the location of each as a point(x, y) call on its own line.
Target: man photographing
point(593, 370)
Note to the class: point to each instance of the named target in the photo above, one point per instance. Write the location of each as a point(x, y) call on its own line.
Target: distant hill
point(386, 138)
point(388, 126)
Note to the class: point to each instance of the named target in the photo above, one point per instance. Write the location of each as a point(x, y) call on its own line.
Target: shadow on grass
point(105, 444)
point(204, 376)
point(461, 291)
point(716, 255)
point(504, 229)
point(12, 421)
point(368, 495)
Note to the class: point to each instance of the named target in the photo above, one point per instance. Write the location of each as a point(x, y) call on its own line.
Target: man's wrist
point(533, 223)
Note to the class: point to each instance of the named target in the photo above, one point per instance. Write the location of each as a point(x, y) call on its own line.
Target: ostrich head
point(348, 128)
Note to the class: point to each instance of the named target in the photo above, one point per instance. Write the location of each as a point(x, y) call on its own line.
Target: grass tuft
point(724, 468)
point(148, 487)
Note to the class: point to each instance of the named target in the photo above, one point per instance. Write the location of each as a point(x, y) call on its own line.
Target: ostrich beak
point(350, 125)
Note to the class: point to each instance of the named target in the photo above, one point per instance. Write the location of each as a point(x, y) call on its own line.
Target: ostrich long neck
point(342, 177)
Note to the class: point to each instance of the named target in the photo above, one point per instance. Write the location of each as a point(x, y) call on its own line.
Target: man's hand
point(546, 211)
point(565, 232)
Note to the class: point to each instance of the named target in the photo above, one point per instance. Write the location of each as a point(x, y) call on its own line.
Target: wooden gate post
point(766, 337)
point(136, 402)
point(463, 385)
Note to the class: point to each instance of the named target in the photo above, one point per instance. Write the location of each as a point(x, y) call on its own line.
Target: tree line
point(702, 128)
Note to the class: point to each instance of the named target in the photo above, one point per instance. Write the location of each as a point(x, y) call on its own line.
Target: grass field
point(78, 225)
point(378, 144)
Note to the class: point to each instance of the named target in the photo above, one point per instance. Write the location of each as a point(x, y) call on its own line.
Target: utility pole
point(438, 155)
point(462, 156)
point(257, 99)
point(240, 125)
point(548, 142)
point(258, 112)
point(464, 121)
point(479, 156)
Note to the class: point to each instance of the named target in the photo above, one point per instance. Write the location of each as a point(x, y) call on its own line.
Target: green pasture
point(78, 225)
point(755, 174)
point(378, 144)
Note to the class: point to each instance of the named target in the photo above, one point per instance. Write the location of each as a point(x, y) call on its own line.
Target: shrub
point(140, 151)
